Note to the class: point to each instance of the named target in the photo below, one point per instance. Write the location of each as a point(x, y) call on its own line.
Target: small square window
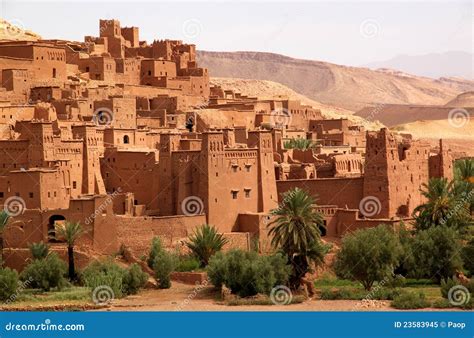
point(1, 194)
point(74, 185)
point(247, 193)
point(31, 195)
point(234, 195)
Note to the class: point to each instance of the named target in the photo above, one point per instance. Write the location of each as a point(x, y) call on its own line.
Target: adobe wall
point(340, 191)
point(237, 240)
point(136, 233)
point(348, 221)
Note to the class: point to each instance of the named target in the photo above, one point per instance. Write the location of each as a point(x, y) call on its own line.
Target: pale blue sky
point(350, 33)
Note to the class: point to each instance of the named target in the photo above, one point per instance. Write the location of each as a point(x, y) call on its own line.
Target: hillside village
point(130, 139)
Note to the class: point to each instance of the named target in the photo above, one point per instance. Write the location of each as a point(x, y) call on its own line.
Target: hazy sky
point(351, 33)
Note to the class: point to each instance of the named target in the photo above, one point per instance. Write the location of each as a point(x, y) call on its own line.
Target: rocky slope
point(350, 88)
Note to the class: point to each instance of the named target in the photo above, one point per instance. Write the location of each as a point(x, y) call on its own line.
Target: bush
point(396, 281)
point(39, 250)
point(8, 283)
point(410, 300)
point(156, 248)
point(134, 279)
point(122, 281)
point(441, 304)
point(368, 255)
point(467, 253)
point(104, 273)
point(447, 284)
point(247, 273)
point(187, 263)
point(436, 253)
point(342, 293)
point(205, 242)
point(46, 273)
point(163, 265)
point(351, 293)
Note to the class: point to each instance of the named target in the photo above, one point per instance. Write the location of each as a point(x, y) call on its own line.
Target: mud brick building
point(129, 139)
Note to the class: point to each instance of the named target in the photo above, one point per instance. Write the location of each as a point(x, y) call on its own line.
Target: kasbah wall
point(129, 139)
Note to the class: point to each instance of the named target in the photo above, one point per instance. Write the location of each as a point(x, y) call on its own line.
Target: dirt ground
point(183, 297)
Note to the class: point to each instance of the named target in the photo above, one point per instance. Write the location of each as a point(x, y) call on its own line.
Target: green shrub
point(396, 281)
point(205, 242)
point(156, 248)
point(447, 284)
point(368, 255)
point(163, 265)
point(441, 304)
point(410, 300)
point(385, 293)
point(108, 273)
point(134, 279)
point(342, 293)
point(299, 143)
point(351, 293)
point(105, 273)
point(46, 273)
point(8, 283)
point(467, 253)
point(187, 263)
point(39, 250)
point(247, 273)
point(436, 253)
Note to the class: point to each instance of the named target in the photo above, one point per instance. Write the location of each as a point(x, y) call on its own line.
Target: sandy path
point(183, 297)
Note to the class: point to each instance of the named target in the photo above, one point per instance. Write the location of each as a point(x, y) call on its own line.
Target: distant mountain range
point(435, 65)
point(350, 88)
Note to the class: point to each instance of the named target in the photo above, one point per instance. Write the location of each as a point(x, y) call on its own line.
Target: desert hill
point(434, 65)
point(9, 31)
point(351, 88)
point(396, 114)
point(462, 100)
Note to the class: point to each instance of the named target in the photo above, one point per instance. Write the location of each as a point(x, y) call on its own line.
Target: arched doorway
point(53, 221)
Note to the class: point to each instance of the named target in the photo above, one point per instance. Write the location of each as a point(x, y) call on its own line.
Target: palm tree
point(444, 205)
point(464, 170)
point(296, 232)
point(4, 217)
point(70, 231)
point(464, 176)
point(299, 143)
point(205, 242)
